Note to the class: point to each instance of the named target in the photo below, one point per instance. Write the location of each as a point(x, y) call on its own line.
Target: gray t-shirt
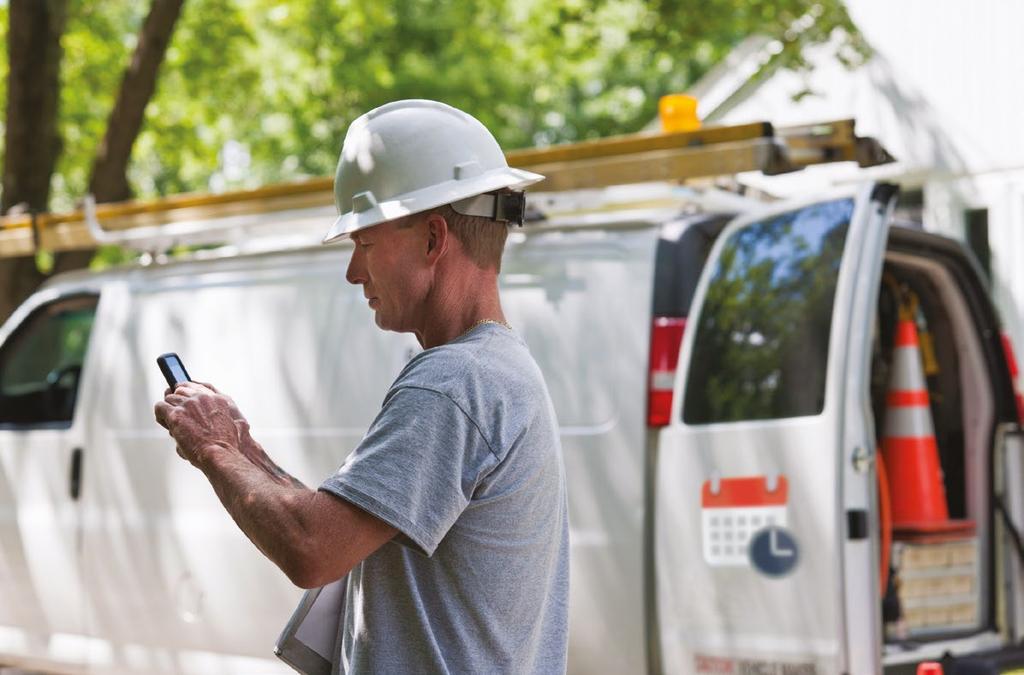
point(464, 460)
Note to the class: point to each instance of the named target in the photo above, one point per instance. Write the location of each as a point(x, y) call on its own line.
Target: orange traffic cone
point(916, 491)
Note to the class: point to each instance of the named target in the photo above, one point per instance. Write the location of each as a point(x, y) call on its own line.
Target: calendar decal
point(734, 509)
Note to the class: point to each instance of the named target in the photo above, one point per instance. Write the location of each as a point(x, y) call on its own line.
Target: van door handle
point(862, 459)
point(856, 524)
point(76, 473)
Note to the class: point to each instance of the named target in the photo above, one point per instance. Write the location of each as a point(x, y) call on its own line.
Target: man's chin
point(382, 322)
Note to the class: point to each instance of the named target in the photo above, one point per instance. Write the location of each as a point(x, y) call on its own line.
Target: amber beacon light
point(678, 112)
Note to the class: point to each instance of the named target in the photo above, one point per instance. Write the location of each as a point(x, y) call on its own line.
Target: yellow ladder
point(618, 160)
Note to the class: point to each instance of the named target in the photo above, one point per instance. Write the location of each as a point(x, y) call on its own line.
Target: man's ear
point(437, 236)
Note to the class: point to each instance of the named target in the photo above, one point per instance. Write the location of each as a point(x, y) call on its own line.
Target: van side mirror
point(61, 392)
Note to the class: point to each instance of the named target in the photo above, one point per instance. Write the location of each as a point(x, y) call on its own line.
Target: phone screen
point(177, 370)
point(173, 369)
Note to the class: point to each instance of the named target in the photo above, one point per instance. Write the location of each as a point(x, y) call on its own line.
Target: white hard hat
point(410, 156)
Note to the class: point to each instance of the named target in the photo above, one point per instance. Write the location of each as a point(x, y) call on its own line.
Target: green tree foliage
point(97, 44)
point(256, 91)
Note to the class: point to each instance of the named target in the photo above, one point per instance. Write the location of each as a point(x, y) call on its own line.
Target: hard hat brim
point(429, 198)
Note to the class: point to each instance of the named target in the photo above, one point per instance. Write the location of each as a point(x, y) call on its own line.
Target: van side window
point(763, 333)
point(41, 363)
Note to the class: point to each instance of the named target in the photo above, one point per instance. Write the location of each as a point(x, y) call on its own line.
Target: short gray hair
point(482, 238)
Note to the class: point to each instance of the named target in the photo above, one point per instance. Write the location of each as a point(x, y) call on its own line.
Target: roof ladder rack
point(194, 219)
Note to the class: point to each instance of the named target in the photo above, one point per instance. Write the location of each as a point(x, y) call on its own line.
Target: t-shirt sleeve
point(417, 467)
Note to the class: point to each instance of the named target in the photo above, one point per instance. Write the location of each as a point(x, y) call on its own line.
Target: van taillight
point(1011, 364)
point(666, 336)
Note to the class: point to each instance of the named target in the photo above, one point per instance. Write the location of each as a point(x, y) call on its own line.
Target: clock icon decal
point(774, 551)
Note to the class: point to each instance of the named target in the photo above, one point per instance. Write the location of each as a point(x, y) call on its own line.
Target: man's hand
point(201, 420)
point(244, 443)
point(313, 536)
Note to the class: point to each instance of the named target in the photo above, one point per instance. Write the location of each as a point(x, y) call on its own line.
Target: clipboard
point(309, 639)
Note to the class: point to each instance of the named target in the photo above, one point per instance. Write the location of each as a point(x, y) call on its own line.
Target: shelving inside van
point(939, 574)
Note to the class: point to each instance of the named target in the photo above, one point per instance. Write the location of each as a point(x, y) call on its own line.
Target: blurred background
point(137, 100)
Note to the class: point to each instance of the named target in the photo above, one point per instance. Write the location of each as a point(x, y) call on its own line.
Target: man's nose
point(355, 274)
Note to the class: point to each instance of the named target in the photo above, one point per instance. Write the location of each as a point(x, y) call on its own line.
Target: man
point(450, 516)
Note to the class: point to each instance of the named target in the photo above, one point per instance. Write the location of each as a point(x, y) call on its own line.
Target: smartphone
point(173, 370)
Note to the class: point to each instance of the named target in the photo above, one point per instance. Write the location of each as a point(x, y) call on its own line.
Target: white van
point(116, 556)
point(770, 538)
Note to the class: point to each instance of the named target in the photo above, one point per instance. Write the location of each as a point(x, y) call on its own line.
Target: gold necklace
point(494, 321)
point(482, 322)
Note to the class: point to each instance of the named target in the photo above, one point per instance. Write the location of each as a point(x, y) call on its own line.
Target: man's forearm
point(272, 512)
point(254, 452)
point(313, 536)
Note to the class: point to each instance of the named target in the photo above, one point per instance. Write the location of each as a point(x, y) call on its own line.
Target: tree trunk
point(31, 141)
point(109, 181)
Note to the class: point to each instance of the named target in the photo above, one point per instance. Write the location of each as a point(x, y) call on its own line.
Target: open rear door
point(766, 550)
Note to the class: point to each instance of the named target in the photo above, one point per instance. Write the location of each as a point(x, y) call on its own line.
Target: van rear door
point(765, 556)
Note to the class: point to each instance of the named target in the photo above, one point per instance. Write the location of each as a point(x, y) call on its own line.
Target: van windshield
point(762, 336)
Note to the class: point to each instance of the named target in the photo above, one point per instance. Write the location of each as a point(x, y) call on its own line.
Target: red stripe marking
point(906, 334)
point(747, 491)
point(903, 398)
